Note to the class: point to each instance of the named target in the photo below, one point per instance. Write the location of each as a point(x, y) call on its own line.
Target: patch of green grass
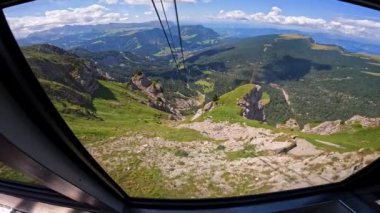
point(349, 141)
point(206, 85)
point(249, 151)
point(227, 109)
point(265, 98)
point(141, 181)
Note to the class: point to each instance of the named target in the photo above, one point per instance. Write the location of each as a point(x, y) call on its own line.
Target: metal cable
point(167, 24)
point(166, 36)
point(179, 34)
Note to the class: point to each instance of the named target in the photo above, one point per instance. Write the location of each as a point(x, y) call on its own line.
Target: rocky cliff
point(252, 107)
point(365, 122)
point(289, 124)
point(206, 108)
point(154, 91)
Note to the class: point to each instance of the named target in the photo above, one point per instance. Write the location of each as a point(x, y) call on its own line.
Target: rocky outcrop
point(325, 128)
point(289, 124)
point(87, 77)
point(284, 147)
point(154, 91)
point(186, 104)
point(102, 75)
point(365, 122)
point(206, 108)
point(252, 106)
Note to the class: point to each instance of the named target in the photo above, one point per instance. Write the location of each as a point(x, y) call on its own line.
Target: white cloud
point(166, 3)
point(93, 14)
point(274, 17)
point(148, 12)
point(352, 27)
point(361, 22)
point(109, 1)
point(234, 14)
point(149, 2)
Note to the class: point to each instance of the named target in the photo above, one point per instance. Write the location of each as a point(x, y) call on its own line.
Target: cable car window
point(211, 98)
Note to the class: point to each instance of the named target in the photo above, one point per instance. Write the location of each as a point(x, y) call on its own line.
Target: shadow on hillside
point(104, 93)
point(208, 53)
point(290, 68)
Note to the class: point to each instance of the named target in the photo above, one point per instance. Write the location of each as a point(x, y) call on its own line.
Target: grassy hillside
point(119, 113)
point(65, 77)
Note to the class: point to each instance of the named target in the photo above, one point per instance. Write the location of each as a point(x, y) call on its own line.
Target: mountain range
point(139, 38)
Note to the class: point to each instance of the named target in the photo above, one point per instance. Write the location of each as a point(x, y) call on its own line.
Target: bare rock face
point(141, 82)
point(325, 128)
point(364, 121)
point(104, 75)
point(154, 91)
point(289, 124)
point(206, 108)
point(252, 106)
point(87, 77)
point(186, 104)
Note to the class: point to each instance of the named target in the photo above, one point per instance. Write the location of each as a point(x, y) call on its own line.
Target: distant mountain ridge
point(352, 45)
point(138, 38)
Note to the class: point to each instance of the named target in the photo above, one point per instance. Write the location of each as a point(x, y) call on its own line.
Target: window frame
point(29, 102)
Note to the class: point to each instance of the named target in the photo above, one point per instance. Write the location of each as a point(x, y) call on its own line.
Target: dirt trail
point(286, 96)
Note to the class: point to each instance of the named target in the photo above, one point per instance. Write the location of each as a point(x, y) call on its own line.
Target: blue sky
point(329, 16)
